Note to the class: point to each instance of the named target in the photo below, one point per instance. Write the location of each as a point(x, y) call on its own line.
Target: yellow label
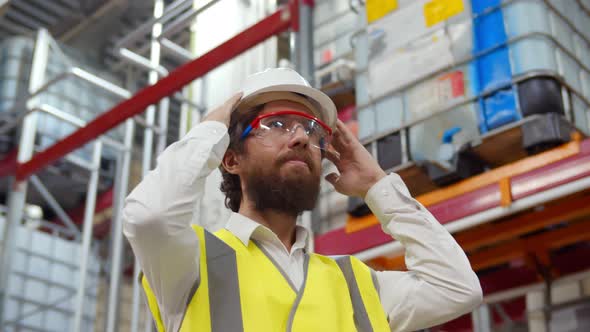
point(376, 9)
point(437, 11)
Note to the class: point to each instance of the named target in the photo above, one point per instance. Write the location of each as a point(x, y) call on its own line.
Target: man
point(256, 274)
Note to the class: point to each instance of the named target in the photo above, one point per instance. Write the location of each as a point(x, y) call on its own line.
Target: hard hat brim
point(326, 108)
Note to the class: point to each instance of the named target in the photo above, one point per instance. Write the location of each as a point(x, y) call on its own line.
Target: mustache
point(295, 156)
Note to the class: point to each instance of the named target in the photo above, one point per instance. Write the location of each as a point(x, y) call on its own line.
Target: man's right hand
point(223, 113)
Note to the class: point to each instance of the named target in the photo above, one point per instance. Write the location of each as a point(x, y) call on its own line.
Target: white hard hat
point(273, 83)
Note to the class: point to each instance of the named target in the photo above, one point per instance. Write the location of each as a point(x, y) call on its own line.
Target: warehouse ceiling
point(85, 24)
point(24, 17)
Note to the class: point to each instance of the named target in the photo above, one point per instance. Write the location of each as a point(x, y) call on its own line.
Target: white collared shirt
point(438, 286)
point(290, 262)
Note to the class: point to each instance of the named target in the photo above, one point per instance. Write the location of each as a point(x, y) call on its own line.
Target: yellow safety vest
point(241, 289)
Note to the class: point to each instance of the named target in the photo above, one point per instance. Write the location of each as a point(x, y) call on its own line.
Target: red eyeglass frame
point(256, 122)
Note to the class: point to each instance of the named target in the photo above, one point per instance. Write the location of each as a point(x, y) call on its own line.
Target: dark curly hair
point(230, 184)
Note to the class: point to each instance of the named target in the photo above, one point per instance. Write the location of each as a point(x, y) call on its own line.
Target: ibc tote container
point(334, 24)
point(43, 281)
point(470, 58)
point(15, 67)
point(70, 95)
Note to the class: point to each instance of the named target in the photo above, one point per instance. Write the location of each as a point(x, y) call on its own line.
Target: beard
point(291, 194)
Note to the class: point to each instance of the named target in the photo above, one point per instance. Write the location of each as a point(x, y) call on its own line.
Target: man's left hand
point(359, 171)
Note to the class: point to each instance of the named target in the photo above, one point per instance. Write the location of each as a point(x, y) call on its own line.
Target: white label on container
point(432, 95)
point(409, 64)
point(408, 24)
point(398, 28)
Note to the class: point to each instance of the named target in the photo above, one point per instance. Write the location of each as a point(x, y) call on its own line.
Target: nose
point(299, 138)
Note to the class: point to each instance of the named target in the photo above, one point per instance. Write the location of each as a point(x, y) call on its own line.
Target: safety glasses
point(277, 125)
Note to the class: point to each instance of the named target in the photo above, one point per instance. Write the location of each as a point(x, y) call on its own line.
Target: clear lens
point(278, 126)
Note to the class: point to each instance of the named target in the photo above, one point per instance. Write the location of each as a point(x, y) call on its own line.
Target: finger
point(338, 141)
point(229, 104)
point(332, 155)
point(332, 178)
point(233, 101)
point(345, 133)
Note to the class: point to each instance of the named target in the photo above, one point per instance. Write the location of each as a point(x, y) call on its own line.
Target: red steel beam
point(8, 165)
point(270, 26)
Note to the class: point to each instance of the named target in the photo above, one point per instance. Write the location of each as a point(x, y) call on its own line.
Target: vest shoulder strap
point(363, 288)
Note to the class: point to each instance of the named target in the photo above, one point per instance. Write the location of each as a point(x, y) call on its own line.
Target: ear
point(231, 162)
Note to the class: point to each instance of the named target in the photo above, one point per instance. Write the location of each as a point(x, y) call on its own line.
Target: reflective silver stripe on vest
point(224, 289)
point(299, 295)
point(361, 317)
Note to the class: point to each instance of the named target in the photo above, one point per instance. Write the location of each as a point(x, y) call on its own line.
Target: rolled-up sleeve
point(158, 214)
point(439, 284)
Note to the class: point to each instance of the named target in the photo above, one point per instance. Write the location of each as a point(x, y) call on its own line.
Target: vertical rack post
point(17, 196)
point(121, 186)
point(306, 65)
point(148, 148)
point(481, 319)
point(87, 236)
point(302, 51)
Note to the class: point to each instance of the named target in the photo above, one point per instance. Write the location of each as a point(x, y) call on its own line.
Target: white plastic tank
point(71, 95)
point(406, 48)
point(422, 50)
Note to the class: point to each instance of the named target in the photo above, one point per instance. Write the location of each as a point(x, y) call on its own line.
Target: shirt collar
point(247, 229)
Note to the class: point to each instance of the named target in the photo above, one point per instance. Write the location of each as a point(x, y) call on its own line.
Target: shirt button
point(385, 193)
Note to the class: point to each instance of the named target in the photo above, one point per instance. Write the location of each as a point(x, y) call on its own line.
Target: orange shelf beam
point(537, 245)
point(492, 233)
point(500, 175)
point(508, 230)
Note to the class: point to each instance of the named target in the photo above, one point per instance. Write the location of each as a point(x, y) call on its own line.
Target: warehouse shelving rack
point(485, 145)
point(38, 84)
point(53, 296)
point(27, 120)
point(492, 196)
point(294, 16)
point(494, 215)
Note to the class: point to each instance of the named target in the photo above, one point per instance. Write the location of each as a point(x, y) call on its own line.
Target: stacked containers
point(426, 57)
point(70, 95)
point(15, 68)
point(334, 24)
point(559, 41)
point(403, 50)
point(43, 282)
